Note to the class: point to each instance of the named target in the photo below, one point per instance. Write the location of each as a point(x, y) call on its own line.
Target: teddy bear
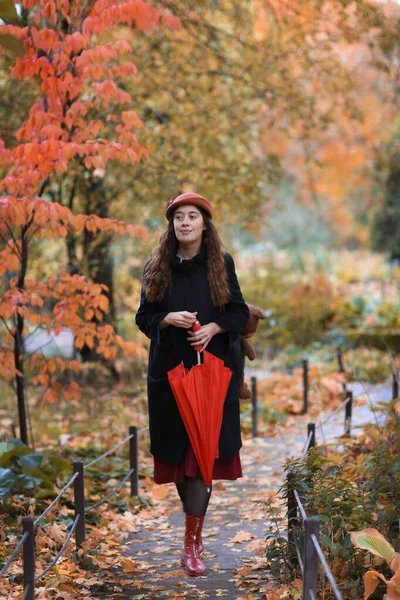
point(250, 328)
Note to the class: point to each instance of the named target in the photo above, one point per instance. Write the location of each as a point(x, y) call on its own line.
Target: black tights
point(194, 495)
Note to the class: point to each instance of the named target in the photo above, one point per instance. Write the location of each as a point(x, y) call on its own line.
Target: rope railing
point(346, 404)
point(14, 554)
point(300, 560)
point(99, 458)
point(313, 555)
point(115, 489)
point(304, 516)
point(27, 541)
point(77, 480)
point(299, 504)
point(144, 429)
point(66, 486)
point(58, 555)
point(307, 446)
point(326, 568)
point(333, 413)
point(311, 546)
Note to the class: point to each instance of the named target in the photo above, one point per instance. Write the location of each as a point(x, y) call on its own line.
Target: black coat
point(189, 291)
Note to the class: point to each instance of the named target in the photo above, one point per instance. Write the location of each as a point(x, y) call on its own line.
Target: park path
point(236, 522)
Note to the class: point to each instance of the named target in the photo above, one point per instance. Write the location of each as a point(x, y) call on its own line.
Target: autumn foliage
point(83, 118)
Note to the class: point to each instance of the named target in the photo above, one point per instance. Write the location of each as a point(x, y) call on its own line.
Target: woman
point(189, 277)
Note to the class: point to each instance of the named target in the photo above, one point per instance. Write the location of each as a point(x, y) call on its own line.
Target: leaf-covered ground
point(133, 546)
point(236, 525)
point(234, 534)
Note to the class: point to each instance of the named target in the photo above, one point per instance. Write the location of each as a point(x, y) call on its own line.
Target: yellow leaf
point(373, 541)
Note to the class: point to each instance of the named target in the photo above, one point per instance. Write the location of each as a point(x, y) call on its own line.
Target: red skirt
point(224, 468)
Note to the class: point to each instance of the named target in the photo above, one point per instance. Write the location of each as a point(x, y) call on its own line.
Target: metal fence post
point(254, 411)
point(28, 557)
point(348, 413)
point(310, 575)
point(305, 386)
point(341, 367)
point(133, 460)
point(395, 386)
point(79, 502)
point(292, 517)
point(311, 429)
point(340, 361)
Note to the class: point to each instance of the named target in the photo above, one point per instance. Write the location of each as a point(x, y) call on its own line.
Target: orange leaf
point(244, 571)
point(393, 587)
point(371, 580)
point(395, 564)
point(159, 493)
point(242, 536)
point(128, 565)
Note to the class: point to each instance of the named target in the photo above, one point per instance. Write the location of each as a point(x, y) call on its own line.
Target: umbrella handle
point(195, 327)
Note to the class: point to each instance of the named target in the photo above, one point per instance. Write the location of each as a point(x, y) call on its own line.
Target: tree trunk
point(18, 343)
point(20, 379)
point(98, 263)
point(73, 263)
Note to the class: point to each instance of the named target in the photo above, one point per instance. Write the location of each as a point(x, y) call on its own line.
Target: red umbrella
point(200, 395)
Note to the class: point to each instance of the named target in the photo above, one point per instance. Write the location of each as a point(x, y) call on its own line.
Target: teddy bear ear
point(256, 311)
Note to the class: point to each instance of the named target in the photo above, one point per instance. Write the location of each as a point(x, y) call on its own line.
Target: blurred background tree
point(276, 111)
point(385, 231)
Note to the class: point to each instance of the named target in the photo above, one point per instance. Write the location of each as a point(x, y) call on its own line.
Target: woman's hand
point(182, 318)
point(204, 335)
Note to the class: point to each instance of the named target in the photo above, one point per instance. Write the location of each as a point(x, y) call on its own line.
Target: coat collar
point(188, 264)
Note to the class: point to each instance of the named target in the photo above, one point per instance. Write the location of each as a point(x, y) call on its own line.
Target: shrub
point(367, 364)
point(31, 473)
point(349, 491)
point(310, 309)
point(299, 310)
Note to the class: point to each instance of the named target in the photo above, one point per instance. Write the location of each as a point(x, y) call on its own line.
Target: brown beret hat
point(188, 198)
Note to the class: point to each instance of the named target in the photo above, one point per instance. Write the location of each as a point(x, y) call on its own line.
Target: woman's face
point(188, 225)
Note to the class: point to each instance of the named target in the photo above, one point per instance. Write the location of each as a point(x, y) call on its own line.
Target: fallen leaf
point(244, 571)
point(242, 536)
point(112, 543)
point(128, 565)
point(159, 493)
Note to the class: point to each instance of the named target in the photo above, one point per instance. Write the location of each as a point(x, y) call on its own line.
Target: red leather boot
point(190, 559)
point(200, 546)
point(199, 539)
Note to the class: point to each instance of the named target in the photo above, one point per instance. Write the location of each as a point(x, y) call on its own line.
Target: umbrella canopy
point(200, 395)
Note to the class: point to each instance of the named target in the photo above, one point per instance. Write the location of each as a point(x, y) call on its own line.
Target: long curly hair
point(157, 276)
